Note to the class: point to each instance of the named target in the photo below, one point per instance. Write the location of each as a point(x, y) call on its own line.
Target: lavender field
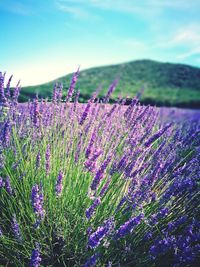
point(97, 184)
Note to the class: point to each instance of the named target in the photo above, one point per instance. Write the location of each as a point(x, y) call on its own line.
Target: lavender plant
point(96, 184)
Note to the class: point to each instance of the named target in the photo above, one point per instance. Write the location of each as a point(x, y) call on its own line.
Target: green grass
point(165, 84)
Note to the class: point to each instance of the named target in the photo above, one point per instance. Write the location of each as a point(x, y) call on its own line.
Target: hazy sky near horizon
point(45, 39)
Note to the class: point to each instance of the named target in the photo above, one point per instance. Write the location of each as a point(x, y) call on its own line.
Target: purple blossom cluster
point(120, 162)
point(59, 185)
point(48, 156)
point(99, 174)
point(35, 257)
point(129, 226)
point(91, 210)
point(37, 201)
point(102, 232)
point(16, 229)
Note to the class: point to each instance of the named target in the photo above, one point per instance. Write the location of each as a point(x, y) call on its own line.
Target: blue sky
point(44, 39)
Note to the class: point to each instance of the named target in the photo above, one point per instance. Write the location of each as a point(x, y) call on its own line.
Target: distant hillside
point(165, 83)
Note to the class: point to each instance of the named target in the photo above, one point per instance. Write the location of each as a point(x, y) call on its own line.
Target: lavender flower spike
point(128, 226)
point(37, 201)
point(48, 154)
point(35, 257)
point(91, 210)
point(59, 186)
point(1, 182)
point(157, 135)
point(85, 112)
point(38, 160)
point(16, 229)
point(72, 85)
point(8, 185)
point(1, 232)
point(101, 232)
point(2, 94)
point(99, 174)
point(92, 260)
point(7, 91)
point(110, 90)
point(6, 132)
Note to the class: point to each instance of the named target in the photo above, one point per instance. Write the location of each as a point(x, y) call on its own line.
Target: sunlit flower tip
point(35, 257)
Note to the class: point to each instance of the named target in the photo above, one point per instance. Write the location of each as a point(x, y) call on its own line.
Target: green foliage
point(165, 84)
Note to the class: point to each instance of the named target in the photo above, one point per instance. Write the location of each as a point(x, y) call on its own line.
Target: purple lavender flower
point(36, 112)
point(16, 93)
point(72, 86)
point(90, 145)
point(90, 164)
point(16, 229)
point(91, 210)
point(128, 226)
point(59, 186)
point(6, 132)
point(130, 107)
point(2, 183)
point(99, 174)
point(8, 185)
point(35, 257)
point(95, 238)
point(37, 201)
point(1, 232)
point(55, 93)
point(157, 135)
point(47, 155)
point(2, 94)
point(7, 91)
point(92, 260)
point(85, 113)
point(105, 187)
point(76, 99)
point(110, 90)
point(38, 160)
point(60, 88)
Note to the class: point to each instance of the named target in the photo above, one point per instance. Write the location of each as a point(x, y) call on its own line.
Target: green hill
point(165, 83)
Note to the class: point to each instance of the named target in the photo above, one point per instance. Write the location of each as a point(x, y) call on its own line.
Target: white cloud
point(76, 11)
point(192, 52)
point(188, 36)
point(131, 6)
point(186, 39)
